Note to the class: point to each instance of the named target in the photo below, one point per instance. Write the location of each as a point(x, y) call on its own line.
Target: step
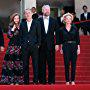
point(79, 59)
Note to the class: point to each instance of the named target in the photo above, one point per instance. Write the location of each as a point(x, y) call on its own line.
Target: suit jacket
point(82, 18)
point(35, 16)
point(49, 38)
point(33, 37)
point(1, 37)
point(61, 24)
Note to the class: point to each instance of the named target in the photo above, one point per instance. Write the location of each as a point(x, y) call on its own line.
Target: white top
point(46, 23)
point(29, 25)
point(85, 14)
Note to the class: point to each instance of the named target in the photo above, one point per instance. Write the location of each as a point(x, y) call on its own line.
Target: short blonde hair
point(28, 9)
point(67, 14)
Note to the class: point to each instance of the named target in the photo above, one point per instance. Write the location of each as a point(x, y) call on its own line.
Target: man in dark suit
point(85, 26)
point(1, 40)
point(47, 48)
point(30, 41)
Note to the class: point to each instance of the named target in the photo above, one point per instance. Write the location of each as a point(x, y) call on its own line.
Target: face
point(16, 19)
point(33, 10)
point(68, 19)
point(28, 14)
point(46, 11)
point(85, 9)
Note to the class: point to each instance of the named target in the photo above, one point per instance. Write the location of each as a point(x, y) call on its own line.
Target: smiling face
point(16, 19)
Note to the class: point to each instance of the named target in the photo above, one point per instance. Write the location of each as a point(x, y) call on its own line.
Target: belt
point(70, 42)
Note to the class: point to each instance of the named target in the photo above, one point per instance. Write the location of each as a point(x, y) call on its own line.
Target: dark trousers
point(49, 57)
point(85, 30)
point(26, 53)
point(70, 56)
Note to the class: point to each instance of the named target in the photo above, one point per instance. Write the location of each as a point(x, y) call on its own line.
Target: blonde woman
point(69, 39)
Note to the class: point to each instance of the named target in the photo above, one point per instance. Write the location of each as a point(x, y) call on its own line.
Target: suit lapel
point(42, 21)
point(25, 25)
point(88, 15)
point(50, 23)
point(31, 26)
point(84, 16)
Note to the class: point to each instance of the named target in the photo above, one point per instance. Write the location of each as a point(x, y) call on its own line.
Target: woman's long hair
point(12, 20)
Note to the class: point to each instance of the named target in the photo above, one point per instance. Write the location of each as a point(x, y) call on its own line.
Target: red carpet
point(82, 70)
point(45, 87)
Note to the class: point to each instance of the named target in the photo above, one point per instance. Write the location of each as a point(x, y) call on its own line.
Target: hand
point(61, 51)
point(2, 48)
point(78, 51)
point(57, 47)
point(13, 28)
point(38, 46)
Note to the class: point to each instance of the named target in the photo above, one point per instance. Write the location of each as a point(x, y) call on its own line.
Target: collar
point(44, 17)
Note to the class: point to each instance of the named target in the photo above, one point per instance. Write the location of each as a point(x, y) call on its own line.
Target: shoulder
point(53, 19)
point(10, 26)
point(89, 13)
point(40, 19)
point(74, 27)
point(22, 23)
point(82, 14)
point(36, 21)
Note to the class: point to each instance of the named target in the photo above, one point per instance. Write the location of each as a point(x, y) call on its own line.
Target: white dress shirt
point(29, 25)
point(85, 15)
point(46, 23)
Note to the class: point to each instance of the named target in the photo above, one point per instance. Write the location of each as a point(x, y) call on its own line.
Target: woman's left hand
point(2, 48)
point(78, 50)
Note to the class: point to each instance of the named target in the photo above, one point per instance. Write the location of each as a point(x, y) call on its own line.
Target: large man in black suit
point(30, 41)
point(1, 40)
point(47, 48)
point(85, 26)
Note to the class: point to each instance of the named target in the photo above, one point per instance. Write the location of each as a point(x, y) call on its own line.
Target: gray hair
point(45, 6)
point(28, 9)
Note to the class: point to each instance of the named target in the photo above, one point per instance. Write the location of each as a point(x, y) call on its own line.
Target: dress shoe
point(67, 83)
point(72, 83)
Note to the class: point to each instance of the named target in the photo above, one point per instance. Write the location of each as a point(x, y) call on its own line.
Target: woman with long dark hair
point(12, 68)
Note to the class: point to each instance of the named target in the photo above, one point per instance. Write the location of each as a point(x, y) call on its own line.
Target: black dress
point(12, 68)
